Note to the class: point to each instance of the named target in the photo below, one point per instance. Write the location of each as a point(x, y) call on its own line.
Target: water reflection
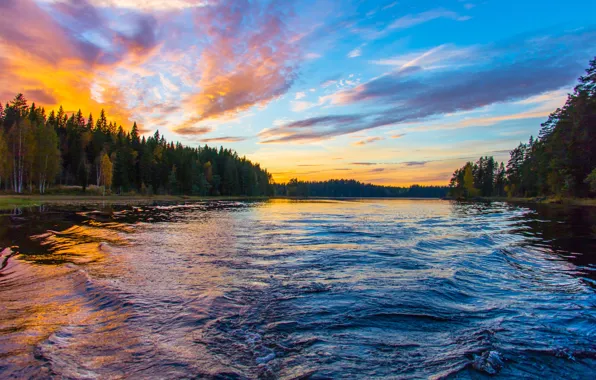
point(287, 289)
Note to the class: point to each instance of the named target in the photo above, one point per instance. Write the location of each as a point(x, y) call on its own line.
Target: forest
point(354, 189)
point(38, 150)
point(561, 162)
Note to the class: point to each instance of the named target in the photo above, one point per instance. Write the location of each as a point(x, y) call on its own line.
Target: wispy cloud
point(440, 57)
point(330, 81)
point(368, 140)
point(192, 131)
point(302, 131)
point(412, 20)
point(300, 105)
point(145, 5)
point(357, 52)
point(415, 163)
point(410, 98)
point(249, 60)
point(229, 139)
point(483, 121)
point(390, 5)
point(168, 84)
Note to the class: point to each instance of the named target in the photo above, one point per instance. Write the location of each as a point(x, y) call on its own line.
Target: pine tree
point(470, 190)
point(173, 181)
point(102, 123)
point(34, 149)
point(5, 163)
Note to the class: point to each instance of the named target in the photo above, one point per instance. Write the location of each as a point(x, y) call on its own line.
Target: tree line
point(484, 177)
point(560, 162)
point(355, 189)
point(38, 150)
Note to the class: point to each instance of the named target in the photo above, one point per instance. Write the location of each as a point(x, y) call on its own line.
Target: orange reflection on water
point(80, 243)
point(40, 302)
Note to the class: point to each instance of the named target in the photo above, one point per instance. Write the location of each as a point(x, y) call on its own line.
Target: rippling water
point(299, 289)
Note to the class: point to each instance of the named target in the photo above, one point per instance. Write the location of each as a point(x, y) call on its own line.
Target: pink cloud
point(249, 59)
point(192, 131)
point(54, 64)
point(228, 139)
point(369, 140)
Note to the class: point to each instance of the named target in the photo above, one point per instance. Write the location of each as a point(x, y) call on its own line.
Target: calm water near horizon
point(299, 289)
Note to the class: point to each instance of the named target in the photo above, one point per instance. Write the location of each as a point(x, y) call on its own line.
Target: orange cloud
point(249, 61)
point(368, 140)
point(229, 139)
point(70, 54)
point(192, 131)
point(53, 65)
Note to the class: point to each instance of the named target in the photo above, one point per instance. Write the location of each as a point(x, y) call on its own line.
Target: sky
point(386, 92)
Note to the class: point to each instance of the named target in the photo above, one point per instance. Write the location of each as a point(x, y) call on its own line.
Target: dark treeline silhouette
point(560, 162)
point(351, 188)
point(38, 150)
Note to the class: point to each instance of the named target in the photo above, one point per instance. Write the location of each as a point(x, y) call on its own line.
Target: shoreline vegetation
point(557, 167)
point(11, 201)
point(8, 202)
point(564, 201)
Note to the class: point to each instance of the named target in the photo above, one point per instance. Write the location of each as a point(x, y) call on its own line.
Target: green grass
point(8, 202)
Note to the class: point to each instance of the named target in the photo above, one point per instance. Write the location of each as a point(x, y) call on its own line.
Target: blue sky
point(389, 92)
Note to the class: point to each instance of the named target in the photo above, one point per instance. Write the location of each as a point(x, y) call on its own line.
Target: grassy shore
point(11, 201)
point(8, 202)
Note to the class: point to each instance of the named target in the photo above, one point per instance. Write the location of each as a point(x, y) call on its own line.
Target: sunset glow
point(392, 93)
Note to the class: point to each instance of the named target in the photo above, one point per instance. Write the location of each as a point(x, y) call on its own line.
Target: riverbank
point(542, 200)
point(8, 202)
point(11, 201)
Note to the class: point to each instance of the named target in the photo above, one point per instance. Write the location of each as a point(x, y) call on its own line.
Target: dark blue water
point(307, 289)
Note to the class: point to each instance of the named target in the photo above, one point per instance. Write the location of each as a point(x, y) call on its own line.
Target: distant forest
point(560, 162)
point(38, 150)
point(355, 189)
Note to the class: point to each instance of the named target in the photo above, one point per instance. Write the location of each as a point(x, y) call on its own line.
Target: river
point(299, 289)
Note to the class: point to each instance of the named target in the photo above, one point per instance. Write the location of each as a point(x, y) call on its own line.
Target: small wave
point(489, 362)
point(303, 289)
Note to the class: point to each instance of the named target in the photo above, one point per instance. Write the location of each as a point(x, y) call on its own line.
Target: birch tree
point(106, 169)
point(5, 161)
point(47, 158)
point(20, 148)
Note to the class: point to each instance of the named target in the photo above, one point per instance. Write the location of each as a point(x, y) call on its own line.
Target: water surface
point(299, 289)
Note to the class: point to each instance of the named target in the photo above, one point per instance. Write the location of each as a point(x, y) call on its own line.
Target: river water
point(298, 290)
